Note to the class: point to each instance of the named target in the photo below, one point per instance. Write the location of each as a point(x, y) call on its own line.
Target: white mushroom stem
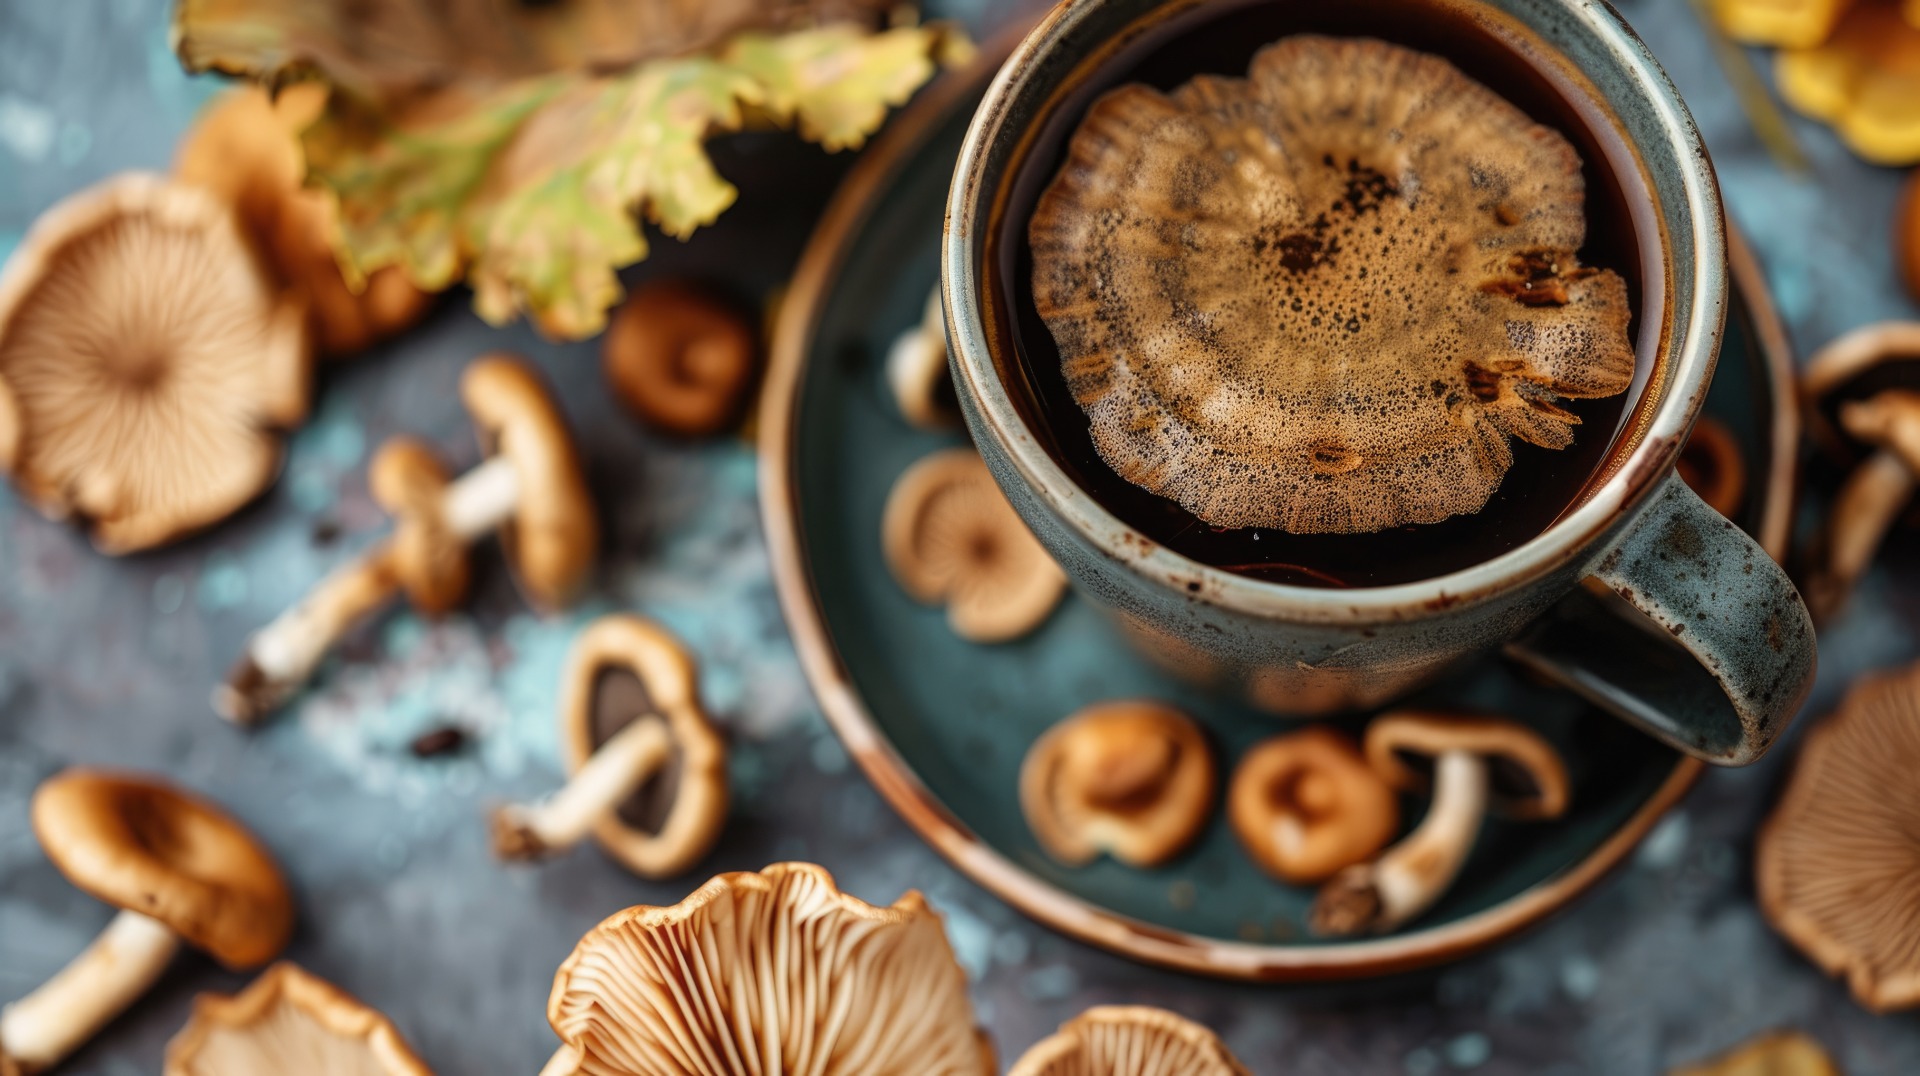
point(1372, 898)
point(41, 1029)
point(615, 772)
point(1863, 512)
point(283, 655)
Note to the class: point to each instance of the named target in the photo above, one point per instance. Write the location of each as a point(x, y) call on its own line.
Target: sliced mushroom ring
point(950, 537)
point(1712, 466)
point(1129, 1040)
point(1306, 804)
point(679, 359)
point(1134, 779)
point(289, 1023)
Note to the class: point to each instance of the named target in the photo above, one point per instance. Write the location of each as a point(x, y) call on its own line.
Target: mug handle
point(1718, 657)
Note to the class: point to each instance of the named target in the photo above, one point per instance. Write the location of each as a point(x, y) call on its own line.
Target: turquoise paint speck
point(169, 593)
point(828, 756)
point(1012, 948)
point(1469, 1051)
point(312, 491)
point(972, 940)
point(402, 634)
point(1056, 982)
point(223, 585)
point(1580, 977)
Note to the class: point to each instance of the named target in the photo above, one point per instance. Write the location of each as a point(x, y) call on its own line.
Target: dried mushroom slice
point(1132, 778)
point(1129, 1040)
point(289, 1023)
point(1323, 297)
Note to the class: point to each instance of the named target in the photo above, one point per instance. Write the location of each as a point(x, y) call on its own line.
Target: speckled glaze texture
point(1310, 651)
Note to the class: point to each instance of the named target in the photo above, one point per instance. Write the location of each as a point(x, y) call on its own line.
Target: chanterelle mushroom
point(771, 972)
point(289, 1023)
point(950, 537)
point(1837, 864)
point(1776, 1053)
point(1306, 804)
point(1323, 297)
point(1477, 762)
point(678, 359)
point(649, 770)
point(530, 490)
point(1129, 1040)
point(1134, 779)
point(147, 363)
point(1863, 80)
point(178, 868)
point(917, 371)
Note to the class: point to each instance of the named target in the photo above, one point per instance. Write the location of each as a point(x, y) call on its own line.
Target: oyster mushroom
point(289, 1023)
point(1776, 1053)
point(1837, 864)
point(1133, 779)
point(1306, 805)
point(917, 373)
point(1712, 466)
point(1863, 80)
point(679, 360)
point(1793, 24)
point(1129, 1040)
point(147, 363)
point(1264, 323)
point(950, 537)
point(1477, 762)
point(529, 490)
point(770, 972)
point(649, 770)
point(178, 868)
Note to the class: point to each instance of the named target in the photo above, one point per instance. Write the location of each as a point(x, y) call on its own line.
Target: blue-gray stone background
point(110, 662)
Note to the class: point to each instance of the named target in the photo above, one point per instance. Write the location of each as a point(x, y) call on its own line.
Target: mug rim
point(1688, 350)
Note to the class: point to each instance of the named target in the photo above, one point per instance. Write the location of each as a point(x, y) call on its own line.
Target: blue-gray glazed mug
point(1640, 597)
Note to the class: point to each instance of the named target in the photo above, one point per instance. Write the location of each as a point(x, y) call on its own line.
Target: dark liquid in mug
point(1540, 487)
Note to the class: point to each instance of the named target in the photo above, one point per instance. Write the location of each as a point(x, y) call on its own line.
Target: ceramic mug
point(1641, 597)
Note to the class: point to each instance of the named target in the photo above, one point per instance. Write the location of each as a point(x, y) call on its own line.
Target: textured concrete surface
point(110, 662)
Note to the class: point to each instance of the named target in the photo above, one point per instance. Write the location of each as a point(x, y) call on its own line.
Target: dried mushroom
point(530, 491)
point(649, 771)
point(951, 538)
point(1712, 466)
point(679, 359)
point(1307, 805)
point(1837, 864)
point(1794, 24)
point(1129, 1040)
point(179, 868)
point(289, 1023)
point(771, 972)
point(1323, 297)
point(917, 372)
point(1863, 81)
point(1777, 1053)
point(1476, 763)
point(1133, 779)
point(147, 363)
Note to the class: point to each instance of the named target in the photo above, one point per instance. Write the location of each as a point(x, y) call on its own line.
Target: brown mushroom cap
point(623, 667)
point(554, 533)
point(678, 359)
point(1129, 1040)
point(774, 971)
point(1306, 804)
point(408, 480)
point(149, 359)
point(1836, 864)
point(289, 1023)
point(145, 846)
point(1526, 778)
point(1323, 297)
point(1855, 366)
point(1890, 420)
point(1776, 1053)
point(950, 536)
point(1712, 466)
point(1134, 779)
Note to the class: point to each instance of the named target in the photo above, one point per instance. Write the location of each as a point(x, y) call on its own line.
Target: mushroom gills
point(120, 965)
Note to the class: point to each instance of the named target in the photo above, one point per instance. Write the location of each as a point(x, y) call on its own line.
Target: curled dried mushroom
point(679, 359)
point(1863, 80)
point(1307, 805)
point(1322, 298)
point(289, 1023)
point(1712, 466)
point(1129, 1040)
point(1133, 779)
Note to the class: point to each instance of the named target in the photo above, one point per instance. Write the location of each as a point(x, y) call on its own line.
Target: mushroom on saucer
point(1776, 1053)
point(289, 1023)
point(1837, 864)
point(1133, 779)
point(179, 868)
point(1476, 762)
point(1129, 1040)
point(917, 373)
point(1711, 465)
point(777, 971)
point(649, 770)
point(530, 490)
point(951, 538)
point(1306, 805)
point(148, 363)
point(679, 360)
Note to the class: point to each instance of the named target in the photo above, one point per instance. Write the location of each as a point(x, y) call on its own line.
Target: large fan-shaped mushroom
point(289, 1023)
point(1129, 1040)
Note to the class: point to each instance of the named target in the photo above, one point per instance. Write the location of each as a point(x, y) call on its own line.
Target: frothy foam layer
point(1322, 298)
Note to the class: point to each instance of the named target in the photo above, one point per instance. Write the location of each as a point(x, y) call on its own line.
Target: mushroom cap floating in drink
point(1129, 1040)
point(1134, 779)
point(289, 1023)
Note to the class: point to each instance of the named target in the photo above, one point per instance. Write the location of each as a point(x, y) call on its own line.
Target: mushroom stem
point(479, 501)
point(615, 772)
point(41, 1029)
point(1407, 878)
point(1863, 512)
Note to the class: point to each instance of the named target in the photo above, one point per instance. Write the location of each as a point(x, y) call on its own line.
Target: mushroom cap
point(679, 359)
point(1712, 466)
point(1837, 864)
point(1132, 778)
point(140, 844)
point(1863, 80)
point(688, 802)
point(408, 479)
point(1889, 420)
point(1306, 804)
point(554, 533)
point(1527, 779)
point(1776, 1053)
point(289, 1023)
point(150, 359)
point(770, 972)
point(1129, 1040)
point(1855, 366)
point(950, 536)
point(1322, 298)
point(917, 371)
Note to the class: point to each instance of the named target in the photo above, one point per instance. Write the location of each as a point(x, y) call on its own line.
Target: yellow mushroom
point(1795, 24)
point(1864, 81)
